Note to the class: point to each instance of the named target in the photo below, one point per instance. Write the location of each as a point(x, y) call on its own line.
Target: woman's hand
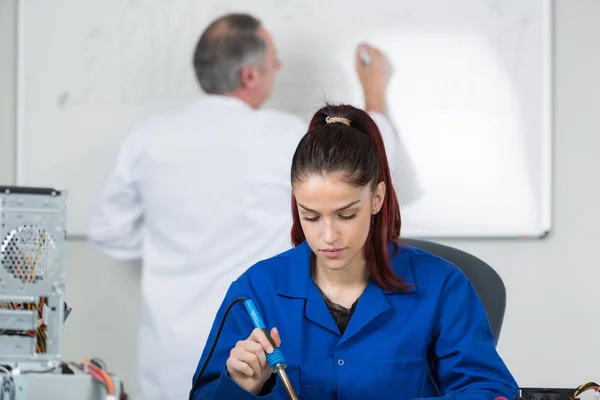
point(247, 362)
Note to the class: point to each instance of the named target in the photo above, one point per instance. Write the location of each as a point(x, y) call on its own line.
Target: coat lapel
point(317, 311)
point(371, 305)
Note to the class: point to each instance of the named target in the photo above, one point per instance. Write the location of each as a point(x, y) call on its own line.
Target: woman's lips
point(332, 253)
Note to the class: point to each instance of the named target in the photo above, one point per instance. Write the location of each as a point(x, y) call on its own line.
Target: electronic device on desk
point(586, 391)
point(32, 304)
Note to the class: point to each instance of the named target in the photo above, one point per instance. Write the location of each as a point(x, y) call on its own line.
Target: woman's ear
point(378, 197)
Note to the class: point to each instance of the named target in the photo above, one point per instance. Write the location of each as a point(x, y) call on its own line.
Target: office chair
point(487, 282)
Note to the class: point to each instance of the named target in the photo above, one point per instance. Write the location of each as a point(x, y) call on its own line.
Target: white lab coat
point(199, 194)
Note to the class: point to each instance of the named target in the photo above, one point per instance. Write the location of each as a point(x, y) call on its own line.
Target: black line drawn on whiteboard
point(63, 100)
point(179, 24)
point(96, 66)
point(497, 6)
point(138, 82)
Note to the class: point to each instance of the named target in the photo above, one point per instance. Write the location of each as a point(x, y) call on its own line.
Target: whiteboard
point(470, 94)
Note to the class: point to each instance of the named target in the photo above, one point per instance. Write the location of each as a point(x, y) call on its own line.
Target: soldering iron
point(274, 359)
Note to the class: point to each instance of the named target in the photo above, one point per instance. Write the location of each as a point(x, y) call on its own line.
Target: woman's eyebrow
point(338, 210)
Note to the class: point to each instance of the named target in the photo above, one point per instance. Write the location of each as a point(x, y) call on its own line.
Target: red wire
point(96, 375)
point(105, 377)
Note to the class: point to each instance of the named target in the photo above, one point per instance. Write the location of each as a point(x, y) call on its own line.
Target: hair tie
point(333, 120)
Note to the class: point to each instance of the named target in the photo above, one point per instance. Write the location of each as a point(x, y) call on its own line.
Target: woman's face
point(336, 218)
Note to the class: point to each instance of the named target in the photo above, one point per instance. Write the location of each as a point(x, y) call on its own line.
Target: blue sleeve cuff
point(227, 388)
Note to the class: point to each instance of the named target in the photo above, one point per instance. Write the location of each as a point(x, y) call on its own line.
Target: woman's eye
point(311, 219)
point(348, 216)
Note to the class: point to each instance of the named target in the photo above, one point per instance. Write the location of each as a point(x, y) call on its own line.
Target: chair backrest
point(486, 281)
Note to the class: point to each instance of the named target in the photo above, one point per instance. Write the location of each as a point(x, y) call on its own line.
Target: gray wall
point(550, 336)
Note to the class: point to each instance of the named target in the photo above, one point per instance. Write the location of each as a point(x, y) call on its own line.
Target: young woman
point(356, 314)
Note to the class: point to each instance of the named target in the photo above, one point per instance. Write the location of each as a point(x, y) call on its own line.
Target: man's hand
point(374, 76)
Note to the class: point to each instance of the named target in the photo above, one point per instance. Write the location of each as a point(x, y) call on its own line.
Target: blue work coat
point(432, 342)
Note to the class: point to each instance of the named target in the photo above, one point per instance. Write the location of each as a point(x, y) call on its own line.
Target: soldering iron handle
point(258, 321)
point(275, 358)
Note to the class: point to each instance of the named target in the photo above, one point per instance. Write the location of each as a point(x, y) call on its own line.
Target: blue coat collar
point(297, 283)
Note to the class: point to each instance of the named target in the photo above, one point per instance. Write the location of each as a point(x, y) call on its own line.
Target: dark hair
point(226, 46)
point(358, 152)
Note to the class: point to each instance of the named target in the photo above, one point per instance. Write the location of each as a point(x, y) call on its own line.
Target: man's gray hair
point(228, 44)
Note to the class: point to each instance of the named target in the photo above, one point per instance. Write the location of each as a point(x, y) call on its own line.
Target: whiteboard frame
point(548, 117)
point(547, 123)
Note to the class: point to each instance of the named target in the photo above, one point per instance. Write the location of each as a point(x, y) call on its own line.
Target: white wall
point(550, 336)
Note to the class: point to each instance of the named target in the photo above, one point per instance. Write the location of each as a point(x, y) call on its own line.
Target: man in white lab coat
point(201, 193)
